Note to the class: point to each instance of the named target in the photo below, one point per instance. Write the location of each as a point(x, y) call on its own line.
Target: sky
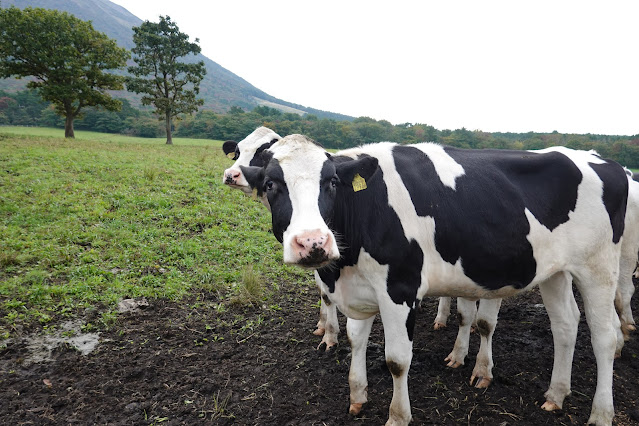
point(496, 66)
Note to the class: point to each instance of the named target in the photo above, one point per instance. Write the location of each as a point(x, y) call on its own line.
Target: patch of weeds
point(250, 290)
point(150, 173)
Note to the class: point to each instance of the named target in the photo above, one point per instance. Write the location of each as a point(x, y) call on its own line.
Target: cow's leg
point(321, 324)
point(329, 341)
point(597, 287)
point(625, 290)
point(443, 311)
point(486, 322)
point(328, 325)
point(466, 310)
point(399, 321)
point(358, 332)
point(564, 318)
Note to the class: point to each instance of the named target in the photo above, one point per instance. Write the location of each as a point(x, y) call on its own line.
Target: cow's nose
point(231, 176)
point(312, 241)
point(311, 246)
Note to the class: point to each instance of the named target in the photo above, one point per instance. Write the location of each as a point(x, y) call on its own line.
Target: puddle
point(41, 347)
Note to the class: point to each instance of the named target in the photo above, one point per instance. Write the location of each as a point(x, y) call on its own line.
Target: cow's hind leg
point(486, 322)
point(358, 332)
point(466, 310)
point(597, 286)
point(625, 290)
point(443, 311)
point(564, 319)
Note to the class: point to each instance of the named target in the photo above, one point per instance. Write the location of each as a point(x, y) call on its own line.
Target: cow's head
point(302, 182)
point(247, 153)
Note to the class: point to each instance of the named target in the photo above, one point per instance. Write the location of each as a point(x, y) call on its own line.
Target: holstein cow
point(485, 319)
point(422, 220)
point(247, 152)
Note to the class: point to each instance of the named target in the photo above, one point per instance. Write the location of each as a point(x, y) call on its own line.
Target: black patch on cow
point(460, 319)
point(258, 159)
point(615, 186)
point(483, 327)
point(278, 196)
point(410, 323)
point(482, 222)
point(326, 300)
point(394, 368)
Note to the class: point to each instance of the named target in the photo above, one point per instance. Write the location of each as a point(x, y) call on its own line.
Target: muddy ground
point(187, 363)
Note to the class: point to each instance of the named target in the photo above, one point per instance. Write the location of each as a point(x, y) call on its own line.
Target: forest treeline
point(25, 108)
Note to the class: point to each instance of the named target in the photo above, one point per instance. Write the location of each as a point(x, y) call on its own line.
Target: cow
point(385, 225)
point(489, 309)
point(247, 152)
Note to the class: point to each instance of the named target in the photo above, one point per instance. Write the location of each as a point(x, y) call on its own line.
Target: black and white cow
point(485, 319)
point(248, 152)
point(425, 220)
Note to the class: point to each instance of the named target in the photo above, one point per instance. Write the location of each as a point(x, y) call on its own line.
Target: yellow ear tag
point(359, 184)
point(231, 155)
point(255, 194)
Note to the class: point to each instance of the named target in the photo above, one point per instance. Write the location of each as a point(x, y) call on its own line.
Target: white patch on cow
point(358, 287)
point(304, 191)
point(446, 167)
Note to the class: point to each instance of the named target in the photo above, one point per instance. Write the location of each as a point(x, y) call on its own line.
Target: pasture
point(225, 337)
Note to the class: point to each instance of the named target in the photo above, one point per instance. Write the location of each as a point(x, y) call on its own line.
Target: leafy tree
point(66, 57)
point(170, 86)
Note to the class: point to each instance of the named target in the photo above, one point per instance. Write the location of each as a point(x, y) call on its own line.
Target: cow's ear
point(229, 147)
point(253, 175)
point(364, 166)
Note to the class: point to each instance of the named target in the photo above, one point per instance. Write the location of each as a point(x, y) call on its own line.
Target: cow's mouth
point(316, 258)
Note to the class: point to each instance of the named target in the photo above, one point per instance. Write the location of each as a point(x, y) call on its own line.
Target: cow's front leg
point(328, 325)
point(466, 310)
point(399, 322)
point(358, 332)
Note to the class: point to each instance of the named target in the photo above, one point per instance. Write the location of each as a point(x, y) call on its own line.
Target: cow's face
point(247, 153)
point(301, 182)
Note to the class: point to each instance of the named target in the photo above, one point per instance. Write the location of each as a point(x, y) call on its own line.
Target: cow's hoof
point(550, 406)
point(355, 408)
point(319, 332)
point(482, 382)
point(438, 325)
point(453, 363)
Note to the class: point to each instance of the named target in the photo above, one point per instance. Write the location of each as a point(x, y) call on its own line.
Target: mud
point(192, 363)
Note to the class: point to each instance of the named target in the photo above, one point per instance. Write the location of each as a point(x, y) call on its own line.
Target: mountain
point(220, 89)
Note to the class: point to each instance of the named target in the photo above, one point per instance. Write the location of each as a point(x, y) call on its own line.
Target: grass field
point(87, 222)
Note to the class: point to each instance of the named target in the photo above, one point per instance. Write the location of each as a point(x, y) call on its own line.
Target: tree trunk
point(68, 127)
point(169, 136)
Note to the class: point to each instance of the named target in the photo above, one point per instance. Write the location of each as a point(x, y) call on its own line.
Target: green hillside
point(220, 89)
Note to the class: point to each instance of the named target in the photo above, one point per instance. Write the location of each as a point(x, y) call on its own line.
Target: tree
point(67, 58)
point(170, 86)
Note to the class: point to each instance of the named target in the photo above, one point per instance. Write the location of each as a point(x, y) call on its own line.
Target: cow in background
point(248, 152)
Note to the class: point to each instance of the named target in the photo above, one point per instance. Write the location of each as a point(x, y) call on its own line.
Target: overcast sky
point(519, 66)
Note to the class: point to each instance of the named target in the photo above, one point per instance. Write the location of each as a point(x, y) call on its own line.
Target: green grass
point(84, 135)
point(86, 222)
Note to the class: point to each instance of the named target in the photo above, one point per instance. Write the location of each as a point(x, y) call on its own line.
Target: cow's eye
point(334, 181)
point(268, 185)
